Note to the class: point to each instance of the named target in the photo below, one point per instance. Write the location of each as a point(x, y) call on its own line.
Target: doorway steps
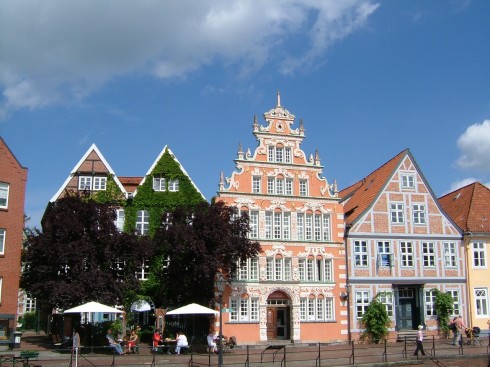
point(409, 334)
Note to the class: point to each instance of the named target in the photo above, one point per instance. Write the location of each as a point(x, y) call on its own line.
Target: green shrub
point(375, 322)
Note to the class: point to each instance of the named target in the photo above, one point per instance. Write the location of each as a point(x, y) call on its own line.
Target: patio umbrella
point(92, 307)
point(193, 309)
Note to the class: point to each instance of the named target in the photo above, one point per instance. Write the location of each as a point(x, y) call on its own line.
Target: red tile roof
point(360, 196)
point(130, 183)
point(469, 207)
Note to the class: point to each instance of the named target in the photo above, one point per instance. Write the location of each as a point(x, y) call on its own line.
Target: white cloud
point(474, 144)
point(51, 51)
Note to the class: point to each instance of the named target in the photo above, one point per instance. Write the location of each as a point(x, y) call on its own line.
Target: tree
point(192, 244)
point(443, 305)
point(375, 321)
point(80, 256)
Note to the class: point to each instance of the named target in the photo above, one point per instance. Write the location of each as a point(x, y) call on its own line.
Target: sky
point(369, 78)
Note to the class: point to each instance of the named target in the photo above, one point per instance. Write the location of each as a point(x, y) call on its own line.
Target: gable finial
point(222, 181)
point(301, 127)
point(256, 123)
point(278, 99)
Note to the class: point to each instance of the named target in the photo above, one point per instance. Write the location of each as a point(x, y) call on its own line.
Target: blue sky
point(369, 78)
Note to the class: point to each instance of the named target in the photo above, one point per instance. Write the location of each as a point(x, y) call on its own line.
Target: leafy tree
point(75, 259)
point(444, 308)
point(375, 321)
point(192, 244)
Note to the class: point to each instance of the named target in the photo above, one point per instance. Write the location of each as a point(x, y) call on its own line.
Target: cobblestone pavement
point(394, 354)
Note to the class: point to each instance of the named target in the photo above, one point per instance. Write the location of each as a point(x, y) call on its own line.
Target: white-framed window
point(406, 251)
point(159, 184)
point(277, 225)
point(408, 181)
point(249, 270)
point(385, 255)
point(256, 184)
point(30, 304)
point(303, 187)
point(481, 302)
point(315, 269)
point(142, 222)
point(479, 255)
point(449, 254)
point(278, 268)
point(100, 183)
point(254, 224)
point(85, 183)
point(454, 293)
point(363, 298)
point(430, 301)
point(386, 298)
point(2, 240)
point(120, 217)
point(279, 186)
point(360, 254)
point(279, 154)
point(429, 254)
point(4, 195)
point(244, 309)
point(288, 190)
point(173, 185)
point(318, 308)
point(143, 271)
point(396, 213)
point(418, 211)
point(313, 227)
point(1, 283)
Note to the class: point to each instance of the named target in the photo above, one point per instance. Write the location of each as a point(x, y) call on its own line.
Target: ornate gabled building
point(295, 289)
point(400, 246)
point(13, 179)
point(469, 207)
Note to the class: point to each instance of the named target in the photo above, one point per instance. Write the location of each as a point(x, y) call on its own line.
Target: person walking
point(458, 332)
point(420, 339)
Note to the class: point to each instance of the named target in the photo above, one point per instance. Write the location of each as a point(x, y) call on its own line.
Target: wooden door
point(271, 323)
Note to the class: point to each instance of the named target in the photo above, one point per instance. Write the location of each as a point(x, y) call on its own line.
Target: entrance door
point(277, 323)
point(271, 323)
point(407, 311)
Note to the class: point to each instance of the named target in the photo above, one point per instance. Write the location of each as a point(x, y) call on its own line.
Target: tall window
point(159, 184)
point(173, 185)
point(142, 222)
point(1, 283)
point(386, 298)
point(406, 250)
point(279, 186)
point(279, 268)
point(249, 270)
point(455, 295)
point(254, 224)
point(429, 254)
point(418, 213)
point(244, 309)
point(362, 302)
point(277, 225)
point(318, 308)
point(279, 154)
point(119, 222)
point(256, 184)
point(315, 269)
point(143, 271)
point(396, 211)
point(313, 227)
point(2, 241)
point(408, 181)
point(384, 253)
point(303, 187)
point(4, 195)
point(481, 302)
point(430, 300)
point(360, 254)
point(479, 256)
point(449, 254)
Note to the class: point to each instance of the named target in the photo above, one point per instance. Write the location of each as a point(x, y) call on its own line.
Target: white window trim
point(484, 299)
point(6, 190)
point(3, 240)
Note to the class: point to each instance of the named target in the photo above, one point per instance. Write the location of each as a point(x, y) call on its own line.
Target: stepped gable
point(469, 207)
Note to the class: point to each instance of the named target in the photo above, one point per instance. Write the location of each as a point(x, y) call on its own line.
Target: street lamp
point(220, 286)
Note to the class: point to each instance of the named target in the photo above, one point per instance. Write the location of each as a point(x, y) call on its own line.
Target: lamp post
point(220, 286)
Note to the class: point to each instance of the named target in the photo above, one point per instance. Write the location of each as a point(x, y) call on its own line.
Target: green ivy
point(156, 202)
point(112, 193)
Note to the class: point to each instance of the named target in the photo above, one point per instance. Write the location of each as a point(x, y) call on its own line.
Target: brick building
point(13, 178)
point(295, 289)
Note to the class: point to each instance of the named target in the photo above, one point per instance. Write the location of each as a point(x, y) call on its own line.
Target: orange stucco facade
point(295, 289)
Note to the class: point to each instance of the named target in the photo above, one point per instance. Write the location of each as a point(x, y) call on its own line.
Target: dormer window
point(95, 183)
point(159, 184)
